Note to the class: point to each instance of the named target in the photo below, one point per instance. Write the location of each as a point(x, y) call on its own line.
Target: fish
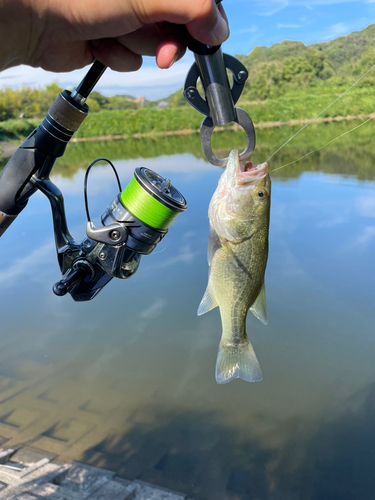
point(239, 215)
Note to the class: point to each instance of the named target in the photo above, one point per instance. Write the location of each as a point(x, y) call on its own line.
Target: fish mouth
point(248, 173)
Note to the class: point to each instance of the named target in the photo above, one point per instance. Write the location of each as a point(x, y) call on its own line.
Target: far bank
point(292, 109)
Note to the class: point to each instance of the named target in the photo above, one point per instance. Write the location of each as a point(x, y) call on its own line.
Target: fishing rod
point(140, 215)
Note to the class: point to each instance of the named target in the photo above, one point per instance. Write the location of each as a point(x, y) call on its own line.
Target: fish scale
point(245, 280)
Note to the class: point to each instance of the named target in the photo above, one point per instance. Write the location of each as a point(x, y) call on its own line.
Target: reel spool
point(152, 199)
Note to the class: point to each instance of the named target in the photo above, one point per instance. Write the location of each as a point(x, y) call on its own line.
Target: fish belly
point(237, 277)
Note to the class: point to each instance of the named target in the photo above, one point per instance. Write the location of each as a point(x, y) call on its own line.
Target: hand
point(63, 35)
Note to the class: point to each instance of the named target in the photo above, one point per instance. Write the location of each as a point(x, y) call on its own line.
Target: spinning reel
point(134, 223)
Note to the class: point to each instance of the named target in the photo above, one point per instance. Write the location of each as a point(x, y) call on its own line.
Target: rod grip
point(5, 222)
point(67, 114)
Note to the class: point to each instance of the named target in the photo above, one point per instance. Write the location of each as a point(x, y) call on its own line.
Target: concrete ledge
point(25, 474)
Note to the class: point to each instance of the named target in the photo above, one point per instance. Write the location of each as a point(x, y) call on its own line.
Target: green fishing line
point(145, 207)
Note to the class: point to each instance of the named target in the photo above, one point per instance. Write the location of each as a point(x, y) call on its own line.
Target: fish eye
point(261, 194)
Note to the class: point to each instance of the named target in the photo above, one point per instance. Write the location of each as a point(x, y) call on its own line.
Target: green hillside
point(290, 66)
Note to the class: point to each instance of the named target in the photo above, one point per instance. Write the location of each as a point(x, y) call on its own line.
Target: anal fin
point(259, 306)
point(207, 303)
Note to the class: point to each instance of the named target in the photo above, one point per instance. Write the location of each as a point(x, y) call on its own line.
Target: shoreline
point(7, 148)
point(233, 128)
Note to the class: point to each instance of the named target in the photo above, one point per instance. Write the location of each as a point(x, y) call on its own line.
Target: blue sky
point(252, 23)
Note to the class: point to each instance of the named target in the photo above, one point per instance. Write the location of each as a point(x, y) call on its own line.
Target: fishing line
point(325, 145)
point(146, 207)
point(317, 116)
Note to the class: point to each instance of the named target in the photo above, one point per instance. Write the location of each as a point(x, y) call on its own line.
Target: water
point(126, 382)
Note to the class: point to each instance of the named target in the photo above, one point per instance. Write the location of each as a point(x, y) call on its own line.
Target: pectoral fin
point(259, 306)
point(207, 303)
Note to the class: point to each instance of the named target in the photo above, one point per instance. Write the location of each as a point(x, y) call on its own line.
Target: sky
point(252, 23)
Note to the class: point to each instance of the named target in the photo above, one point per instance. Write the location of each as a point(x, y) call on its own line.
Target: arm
point(63, 36)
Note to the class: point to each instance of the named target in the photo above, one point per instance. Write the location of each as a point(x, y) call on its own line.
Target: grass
point(303, 104)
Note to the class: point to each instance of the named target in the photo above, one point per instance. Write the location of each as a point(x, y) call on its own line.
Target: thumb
point(205, 21)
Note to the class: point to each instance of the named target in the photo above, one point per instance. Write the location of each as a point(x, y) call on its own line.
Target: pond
point(126, 381)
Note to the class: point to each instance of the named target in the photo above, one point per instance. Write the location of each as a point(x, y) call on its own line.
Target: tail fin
point(237, 362)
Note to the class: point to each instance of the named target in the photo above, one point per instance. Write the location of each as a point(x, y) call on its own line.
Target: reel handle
point(62, 287)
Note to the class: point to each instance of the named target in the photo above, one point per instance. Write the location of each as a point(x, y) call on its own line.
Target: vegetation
point(288, 81)
point(17, 129)
point(32, 102)
point(289, 66)
point(300, 105)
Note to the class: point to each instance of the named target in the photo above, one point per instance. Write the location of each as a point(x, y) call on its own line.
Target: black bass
point(239, 215)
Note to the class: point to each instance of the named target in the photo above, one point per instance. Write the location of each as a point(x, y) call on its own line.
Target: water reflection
point(127, 381)
point(351, 155)
point(310, 458)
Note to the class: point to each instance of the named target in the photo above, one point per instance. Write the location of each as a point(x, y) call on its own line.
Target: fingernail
point(95, 43)
point(176, 56)
point(221, 30)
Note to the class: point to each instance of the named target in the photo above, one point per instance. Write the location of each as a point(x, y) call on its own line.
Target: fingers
point(218, 33)
point(111, 18)
point(114, 55)
point(145, 40)
point(153, 40)
point(162, 39)
point(168, 52)
point(203, 19)
point(116, 23)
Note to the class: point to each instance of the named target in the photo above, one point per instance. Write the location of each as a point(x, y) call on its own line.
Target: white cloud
point(149, 81)
point(335, 221)
point(279, 5)
point(336, 30)
point(147, 316)
point(251, 29)
point(275, 6)
point(154, 310)
point(288, 26)
point(308, 4)
point(364, 238)
point(186, 256)
point(188, 235)
point(366, 205)
point(29, 266)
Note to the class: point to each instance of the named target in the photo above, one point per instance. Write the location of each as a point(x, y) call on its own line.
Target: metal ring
point(207, 128)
